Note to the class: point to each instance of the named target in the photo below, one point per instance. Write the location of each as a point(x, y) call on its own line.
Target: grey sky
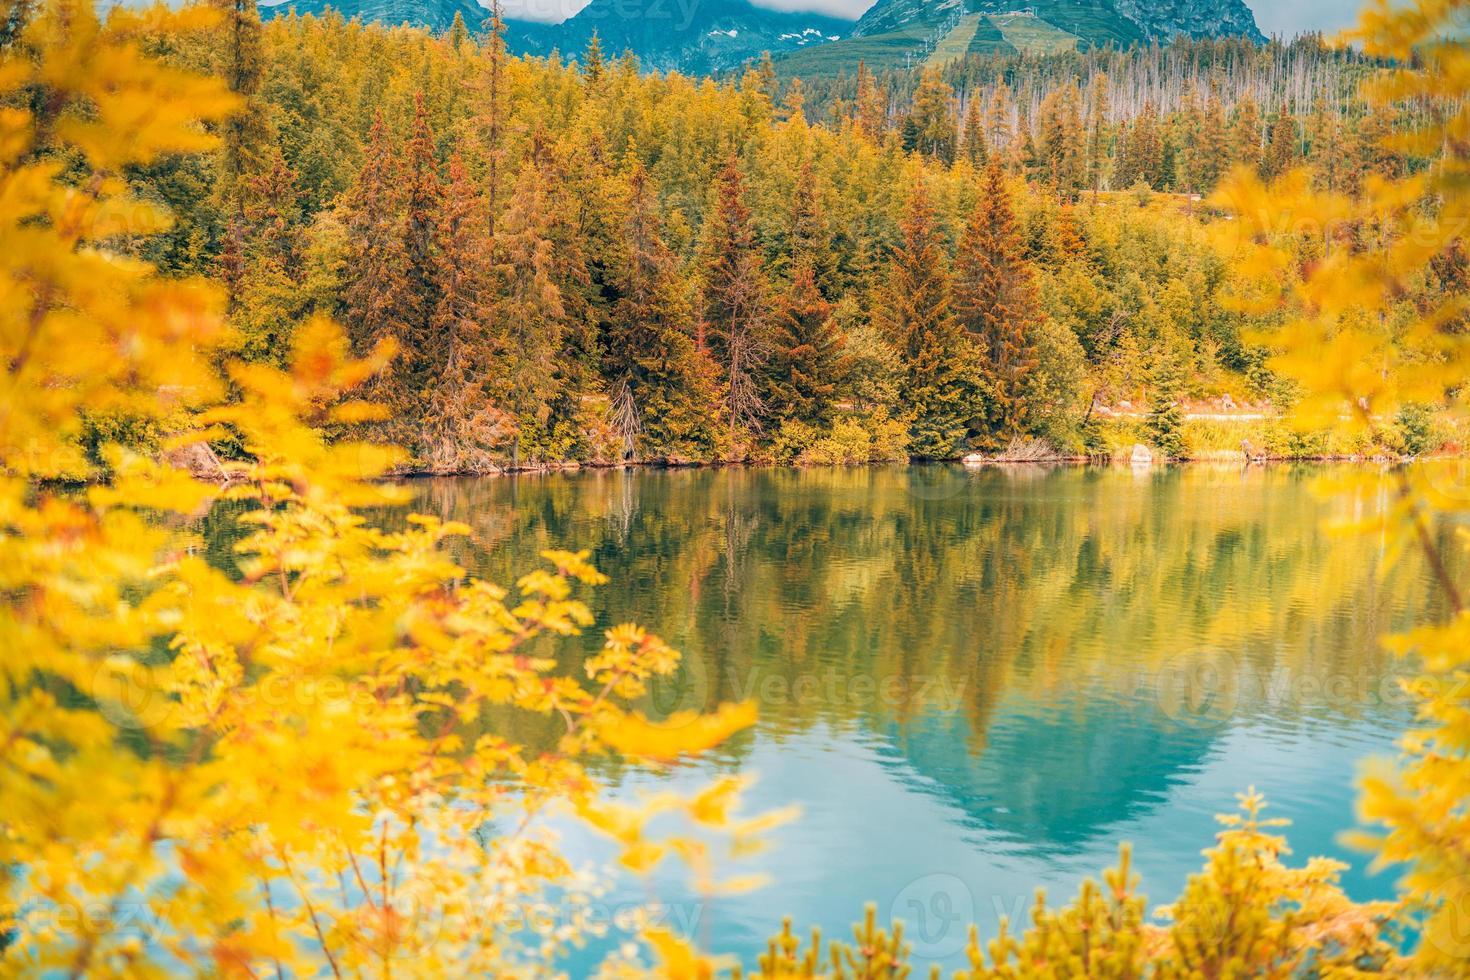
point(1291, 17)
point(1284, 17)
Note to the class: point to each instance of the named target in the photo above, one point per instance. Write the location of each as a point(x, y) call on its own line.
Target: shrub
point(1414, 429)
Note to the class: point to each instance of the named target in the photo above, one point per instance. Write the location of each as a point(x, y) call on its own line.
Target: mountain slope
point(907, 33)
point(1163, 20)
point(695, 36)
point(710, 36)
point(1094, 21)
point(436, 15)
point(887, 16)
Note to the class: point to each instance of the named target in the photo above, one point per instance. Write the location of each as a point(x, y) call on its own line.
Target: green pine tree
point(463, 431)
point(808, 362)
point(735, 307)
point(809, 238)
point(995, 300)
point(664, 389)
point(913, 311)
point(1165, 423)
point(592, 61)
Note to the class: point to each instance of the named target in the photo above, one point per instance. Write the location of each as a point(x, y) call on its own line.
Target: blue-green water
point(977, 683)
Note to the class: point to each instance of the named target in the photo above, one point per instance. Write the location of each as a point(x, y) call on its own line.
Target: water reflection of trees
point(1050, 788)
point(1070, 592)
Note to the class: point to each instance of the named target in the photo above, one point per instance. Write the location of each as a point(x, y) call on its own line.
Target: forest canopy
point(583, 263)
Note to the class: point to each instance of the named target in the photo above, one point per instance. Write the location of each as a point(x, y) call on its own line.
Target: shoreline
point(1236, 459)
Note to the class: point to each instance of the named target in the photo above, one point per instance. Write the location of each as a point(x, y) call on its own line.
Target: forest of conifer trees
point(577, 262)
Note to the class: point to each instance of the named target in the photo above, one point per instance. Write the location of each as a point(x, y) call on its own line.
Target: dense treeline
point(1298, 74)
point(1176, 118)
point(581, 262)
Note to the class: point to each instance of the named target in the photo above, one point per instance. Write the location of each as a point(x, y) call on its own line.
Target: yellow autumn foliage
point(287, 769)
point(1335, 345)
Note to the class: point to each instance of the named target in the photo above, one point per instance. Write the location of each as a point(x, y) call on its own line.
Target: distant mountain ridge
point(712, 36)
point(436, 15)
point(910, 33)
point(692, 36)
point(1093, 21)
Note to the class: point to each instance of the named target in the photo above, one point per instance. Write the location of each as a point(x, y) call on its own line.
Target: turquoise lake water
point(977, 683)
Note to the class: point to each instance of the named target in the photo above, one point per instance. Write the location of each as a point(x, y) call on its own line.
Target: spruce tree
point(269, 296)
point(913, 312)
point(1327, 150)
point(1074, 143)
point(530, 318)
point(422, 352)
point(1070, 241)
point(494, 112)
point(1246, 134)
point(1210, 155)
point(766, 72)
point(1165, 423)
point(240, 62)
point(1374, 155)
point(462, 430)
point(793, 108)
point(735, 308)
point(998, 120)
point(1282, 151)
point(1146, 149)
point(273, 215)
point(238, 59)
point(592, 60)
point(568, 227)
point(930, 127)
point(1181, 140)
point(1097, 141)
point(807, 361)
point(872, 106)
point(1125, 163)
point(809, 239)
point(972, 141)
point(1063, 147)
point(664, 390)
point(372, 213)
point(995, 301)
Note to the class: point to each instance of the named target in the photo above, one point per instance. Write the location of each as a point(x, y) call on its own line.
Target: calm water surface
point(977, 683)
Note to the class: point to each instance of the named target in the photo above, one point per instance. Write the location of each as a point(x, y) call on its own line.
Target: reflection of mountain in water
point(1052, 781)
